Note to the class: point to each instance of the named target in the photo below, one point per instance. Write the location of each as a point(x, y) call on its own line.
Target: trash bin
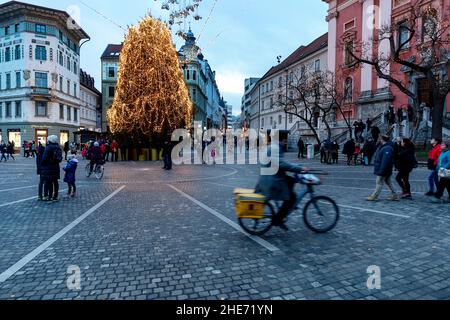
point(310, 150)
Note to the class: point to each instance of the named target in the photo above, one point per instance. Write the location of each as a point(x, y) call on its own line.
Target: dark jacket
point(167, 149)
point(70, 169)
point(406, 160)
point(95, 154)
point(51, 159)
point(349, 148)
point(276, 187)
point(384, 163)
point(301, 144)
point(40, 153)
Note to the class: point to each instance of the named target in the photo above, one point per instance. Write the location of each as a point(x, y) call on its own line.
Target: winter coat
point(95, 154)
point(276, 187)
point(40, 153)
point(349, 148)
point(406, 160)
point(384, 160)
point(301, 144)
point(434, 154)
point(70, 169)
point(444, 160)
point(51, 159)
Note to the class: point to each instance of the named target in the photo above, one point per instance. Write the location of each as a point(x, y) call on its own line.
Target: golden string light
point(151, 95)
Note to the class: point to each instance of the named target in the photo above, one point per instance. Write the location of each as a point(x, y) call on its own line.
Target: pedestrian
point(369, 124)
point(66, 149)
point(335, 152)
point(10, 151)
point(375, 133)
point(397, 149)
point(433, 159)
point(443, 168)
point(301, 148)
point(368, 151)
point(39, 154)
point(399, 115)
point(410, 113)
point(349, 150)
point(103, 150)
point(3, 152)
point(114, 151)
point(383, 169)
point(51, 159)
point(323, 153)
point(391, 116)
point(405, 164)
point(167, 155)
point(107, 151)
point(33, 149)
point(356, 154)
point(70, 170)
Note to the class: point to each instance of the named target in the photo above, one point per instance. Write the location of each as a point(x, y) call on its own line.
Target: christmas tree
point(151, 97)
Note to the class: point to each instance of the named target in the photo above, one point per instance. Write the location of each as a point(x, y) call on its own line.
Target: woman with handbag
point(433, 158)
point(443, 172)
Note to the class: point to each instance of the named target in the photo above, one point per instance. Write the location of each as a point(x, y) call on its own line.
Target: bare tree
point(426, 30)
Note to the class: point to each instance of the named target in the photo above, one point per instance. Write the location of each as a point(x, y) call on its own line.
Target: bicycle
point(99, 170)
point(320, 213)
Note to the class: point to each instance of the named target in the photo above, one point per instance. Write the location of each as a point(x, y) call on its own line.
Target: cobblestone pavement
point(144, 233)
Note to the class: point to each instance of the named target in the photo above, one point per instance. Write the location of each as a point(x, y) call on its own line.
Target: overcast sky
point(241, 39)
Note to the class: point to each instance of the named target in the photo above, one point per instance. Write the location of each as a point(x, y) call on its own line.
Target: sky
point(241, 38)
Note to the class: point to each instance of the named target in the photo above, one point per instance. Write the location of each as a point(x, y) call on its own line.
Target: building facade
point(352, 22)
point(91, 103)
point(244, 119)
point(110, 70)
point(39, 73)
point(265, 113)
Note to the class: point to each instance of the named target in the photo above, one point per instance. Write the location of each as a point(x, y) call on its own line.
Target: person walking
point(368, 151)
point(70, 170)
point(66, 149)
point(375, 132)
point(383, 169)
point(114, 151)
point(335, 152)
point(10, 151)
point(301, 148)
point(51, 159)
point(356, 154)
point(433, 159)
point(405, 164)
point(349, 150)
point(39, 154)
point(167, 155)
point(443, 169)
point(3, 152)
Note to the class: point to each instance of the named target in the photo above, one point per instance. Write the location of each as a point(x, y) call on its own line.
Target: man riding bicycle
point(96, 156)
point(280, 187)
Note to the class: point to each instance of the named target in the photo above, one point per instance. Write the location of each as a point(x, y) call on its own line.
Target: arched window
point(348, 90)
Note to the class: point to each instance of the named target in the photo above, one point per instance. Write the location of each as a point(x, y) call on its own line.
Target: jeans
point(433, 180)
point(380, 182)
point(41, 187)
point(403, 181)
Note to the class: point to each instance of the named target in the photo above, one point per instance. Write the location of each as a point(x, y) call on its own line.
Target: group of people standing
point(7, 151)
point(329, 152)
point(109, 150)
point(359, 155)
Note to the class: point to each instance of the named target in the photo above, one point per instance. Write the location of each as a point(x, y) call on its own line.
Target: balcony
point(41, 93)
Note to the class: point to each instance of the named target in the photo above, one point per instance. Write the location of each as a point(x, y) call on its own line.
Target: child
point(70, 169)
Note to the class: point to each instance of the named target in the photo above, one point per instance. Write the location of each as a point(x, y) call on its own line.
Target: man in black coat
point(349, 150)
point(40, 153)
point(167, 154)
point(50, 170)
point(301, 148)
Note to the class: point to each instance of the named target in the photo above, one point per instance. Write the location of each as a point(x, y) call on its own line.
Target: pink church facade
point(351, 22)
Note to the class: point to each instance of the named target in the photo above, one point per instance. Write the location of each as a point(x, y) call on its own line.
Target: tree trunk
point(438, 123)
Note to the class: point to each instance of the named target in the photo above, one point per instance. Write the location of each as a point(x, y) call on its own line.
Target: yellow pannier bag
point(250, 205)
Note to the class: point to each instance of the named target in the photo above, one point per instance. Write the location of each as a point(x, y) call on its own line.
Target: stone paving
point(133, 235)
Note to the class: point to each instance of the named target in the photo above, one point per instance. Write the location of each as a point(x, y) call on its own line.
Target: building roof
point(112, 51)
point(88, 82)
point(301, 53)
point(62, 16)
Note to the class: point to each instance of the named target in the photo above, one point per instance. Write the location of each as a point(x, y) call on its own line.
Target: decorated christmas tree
point(151, 97)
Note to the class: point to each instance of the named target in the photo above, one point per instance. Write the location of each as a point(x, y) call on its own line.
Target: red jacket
point(114, 147)
point(435, 153)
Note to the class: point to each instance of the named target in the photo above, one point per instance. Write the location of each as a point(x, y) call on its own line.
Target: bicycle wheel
point(258, 227)
point(88, 170)
point(321, 214)
point(99, 171)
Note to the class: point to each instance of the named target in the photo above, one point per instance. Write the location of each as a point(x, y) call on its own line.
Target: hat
point(71, 157)
point(96, 144)
point(53, 139)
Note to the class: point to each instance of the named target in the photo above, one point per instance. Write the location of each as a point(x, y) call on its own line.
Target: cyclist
point(95, 154)
point(280, 187)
